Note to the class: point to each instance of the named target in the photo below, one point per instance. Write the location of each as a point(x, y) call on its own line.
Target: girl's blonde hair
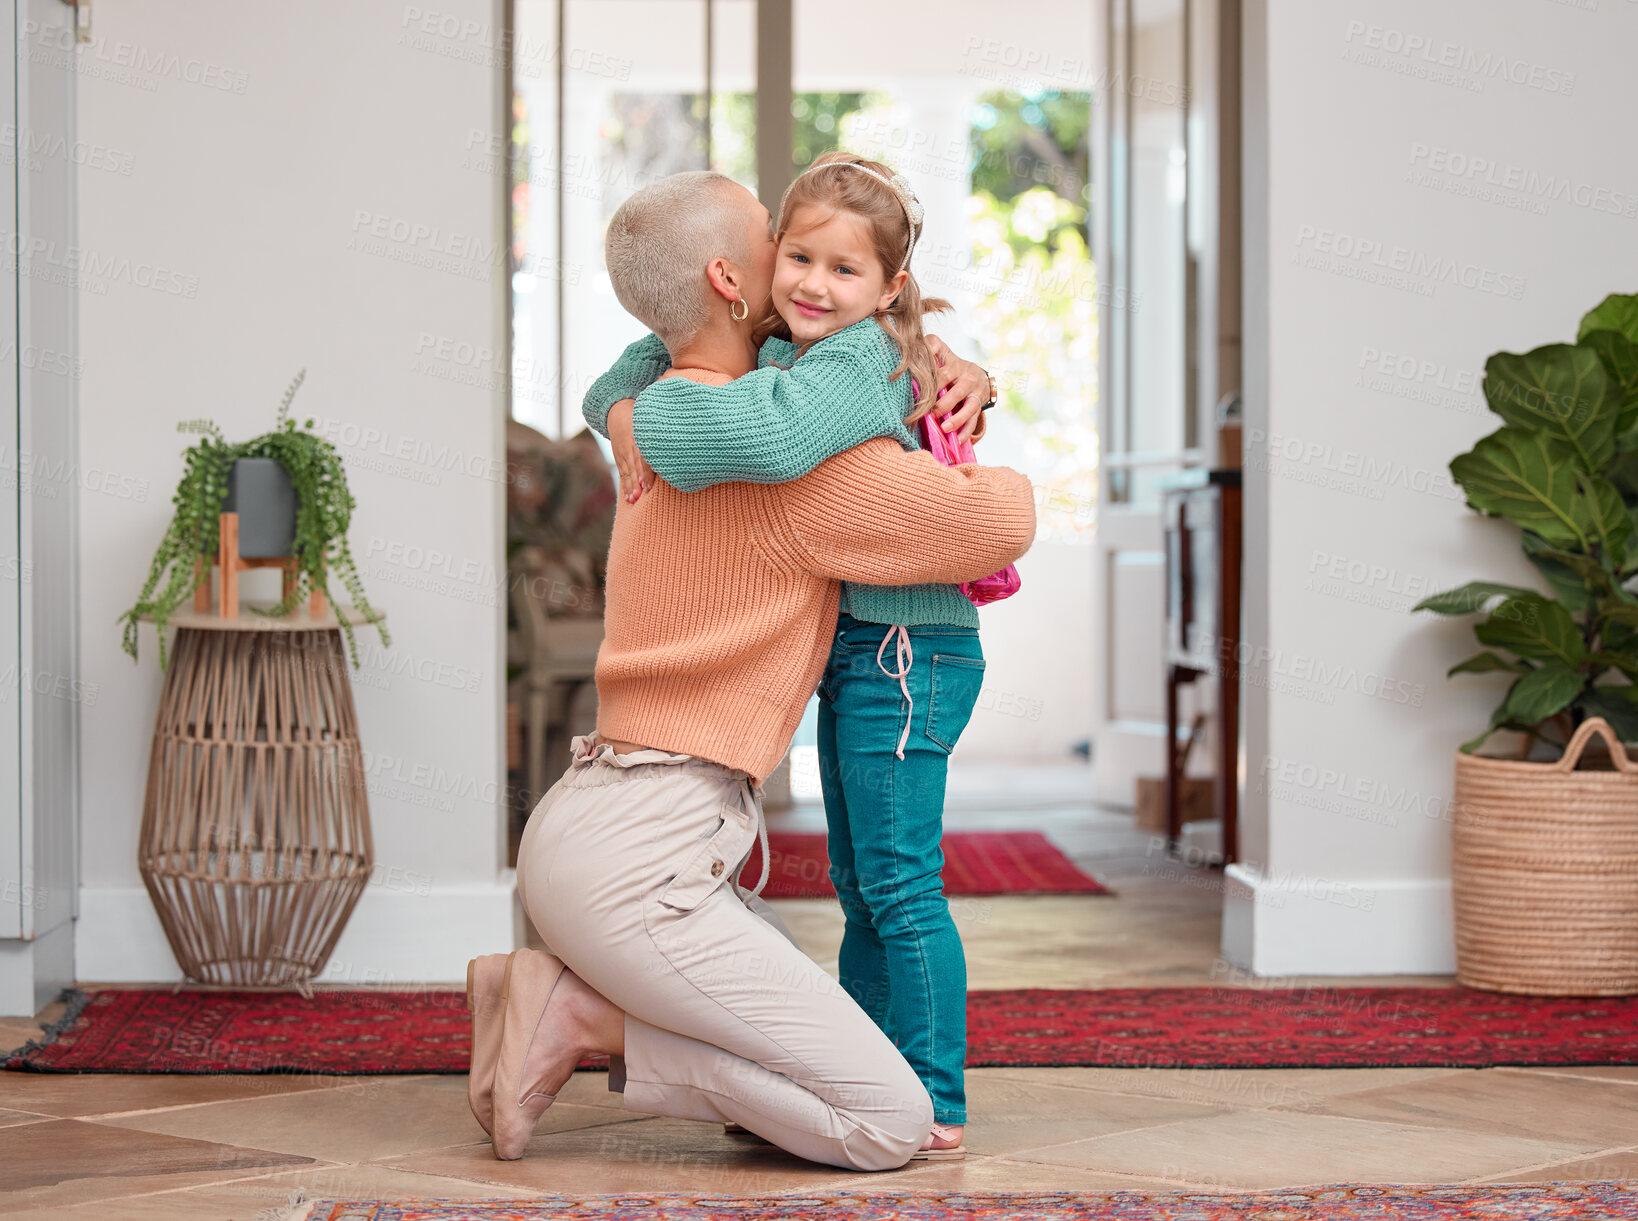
point(877, 203)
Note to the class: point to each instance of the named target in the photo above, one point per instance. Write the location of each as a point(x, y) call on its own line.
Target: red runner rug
point(975, 863)
point(353, 1032)
point(1343, 1202)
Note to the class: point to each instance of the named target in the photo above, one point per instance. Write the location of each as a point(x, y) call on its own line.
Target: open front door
point(1153, 395)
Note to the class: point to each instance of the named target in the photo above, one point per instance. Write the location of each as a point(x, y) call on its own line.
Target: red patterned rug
point(1345, 1202)
point(975, 863)
point(354, 1032)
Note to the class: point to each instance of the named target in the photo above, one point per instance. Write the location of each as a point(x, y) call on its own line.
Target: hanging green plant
point(324, 509)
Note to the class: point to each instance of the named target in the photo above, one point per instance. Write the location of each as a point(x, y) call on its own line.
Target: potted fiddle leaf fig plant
point(1545, 856)
point(218, 475)
point(1564, 469)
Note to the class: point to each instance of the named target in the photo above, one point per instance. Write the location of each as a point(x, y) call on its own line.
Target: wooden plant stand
point(232, 564)
point(255, 842)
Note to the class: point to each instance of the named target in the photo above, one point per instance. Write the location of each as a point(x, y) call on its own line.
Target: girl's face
point(827, 276)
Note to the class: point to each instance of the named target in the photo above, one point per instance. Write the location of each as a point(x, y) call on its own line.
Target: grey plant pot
point(259, 491)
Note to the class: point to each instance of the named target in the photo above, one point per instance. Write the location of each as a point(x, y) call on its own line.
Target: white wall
point(264, 150)
point(1347, 788)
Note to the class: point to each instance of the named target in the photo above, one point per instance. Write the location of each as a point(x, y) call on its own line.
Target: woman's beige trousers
point(627, 870)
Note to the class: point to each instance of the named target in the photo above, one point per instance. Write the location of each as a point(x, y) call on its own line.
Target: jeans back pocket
point(956, 681)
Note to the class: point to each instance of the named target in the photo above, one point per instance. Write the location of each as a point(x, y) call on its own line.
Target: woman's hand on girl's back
point(636, 475)
point(964, 389)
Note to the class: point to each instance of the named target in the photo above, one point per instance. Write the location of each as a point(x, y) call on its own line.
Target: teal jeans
point(901, 956)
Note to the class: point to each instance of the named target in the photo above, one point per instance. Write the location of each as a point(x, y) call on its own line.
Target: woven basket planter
point(1544, 873)
point(255, 843)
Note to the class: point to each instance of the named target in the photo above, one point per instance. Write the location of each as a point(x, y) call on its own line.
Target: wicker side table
point(255, 843)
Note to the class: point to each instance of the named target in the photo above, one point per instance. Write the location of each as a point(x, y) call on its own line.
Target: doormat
point(144, 1030)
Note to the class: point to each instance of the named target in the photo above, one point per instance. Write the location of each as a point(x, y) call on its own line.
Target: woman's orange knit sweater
point(722, 603)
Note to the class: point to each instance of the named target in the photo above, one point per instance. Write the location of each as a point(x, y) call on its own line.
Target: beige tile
point(60, 1162)
point(1052, 941)
point(1254, 1149)
point(1081, 941)
point(1007, 1114)
point(1627, 1073)
point(15, 1033)
point(1001, 1174)
point(247, 1198)
point(1602, 1168)
point(1226, 1088)
point(647, 1155)
point(1595, 1114)
point(382, 1119)
point(71, 1094)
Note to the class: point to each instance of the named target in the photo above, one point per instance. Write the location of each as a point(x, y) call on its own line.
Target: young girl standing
point(844, 348)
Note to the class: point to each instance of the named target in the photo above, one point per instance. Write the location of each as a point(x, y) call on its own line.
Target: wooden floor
point(237, 1147)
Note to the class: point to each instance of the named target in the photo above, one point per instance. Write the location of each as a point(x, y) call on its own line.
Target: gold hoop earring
point(743, 308)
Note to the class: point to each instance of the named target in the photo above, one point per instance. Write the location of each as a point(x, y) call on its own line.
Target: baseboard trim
point(394, 936)
point(1301, 925)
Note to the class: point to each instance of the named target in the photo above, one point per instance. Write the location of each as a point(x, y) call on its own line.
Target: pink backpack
point(951, 452)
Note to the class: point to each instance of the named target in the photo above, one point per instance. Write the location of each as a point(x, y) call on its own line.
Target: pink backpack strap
point(952, 452)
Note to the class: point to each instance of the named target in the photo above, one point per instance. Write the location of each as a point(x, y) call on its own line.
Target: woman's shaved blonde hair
point(659, 242)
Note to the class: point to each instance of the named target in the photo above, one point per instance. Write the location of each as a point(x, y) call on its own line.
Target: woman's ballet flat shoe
point(951, 1153)
point(485, 978)
point(526, 991)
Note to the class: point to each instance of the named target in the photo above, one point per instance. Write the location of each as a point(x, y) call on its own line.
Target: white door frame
point(39, 627)
point(1129, 562)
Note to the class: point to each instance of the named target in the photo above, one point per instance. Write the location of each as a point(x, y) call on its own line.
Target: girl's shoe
point(943, 1145)
point(485, 977)
point(526, 993)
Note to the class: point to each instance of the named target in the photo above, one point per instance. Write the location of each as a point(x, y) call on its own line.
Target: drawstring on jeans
point(905, 659)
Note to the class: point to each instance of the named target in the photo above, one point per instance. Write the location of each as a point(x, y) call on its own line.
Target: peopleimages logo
point(992, 59)
point(1421, 380)
point(1308, 676)
point(1442, 55)
point(1505, 178)
point(1329, 249)
point(1343, 569)
point(1354, 470)
point(1297, 774)
point(1427, 372)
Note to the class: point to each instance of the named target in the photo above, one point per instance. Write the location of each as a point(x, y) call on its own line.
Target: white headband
point(898, 184)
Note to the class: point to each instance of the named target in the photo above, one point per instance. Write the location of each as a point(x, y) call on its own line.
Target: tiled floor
point(237, 1147)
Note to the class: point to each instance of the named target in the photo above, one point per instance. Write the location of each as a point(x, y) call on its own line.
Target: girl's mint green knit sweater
point(776, 424)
